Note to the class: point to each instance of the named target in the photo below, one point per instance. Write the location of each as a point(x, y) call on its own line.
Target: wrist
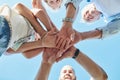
point(76, 53)
point(67, 19)
point(67, 24)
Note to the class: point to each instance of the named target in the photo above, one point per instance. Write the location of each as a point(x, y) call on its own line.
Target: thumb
point(52, 59)
point(72, 36)
point(61, 57)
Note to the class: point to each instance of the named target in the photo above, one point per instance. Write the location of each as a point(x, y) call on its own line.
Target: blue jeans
point(5, 34)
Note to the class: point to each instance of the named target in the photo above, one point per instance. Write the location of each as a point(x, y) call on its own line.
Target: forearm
point(94, 34)
point(32, 53)
point(44, 18)
point(44, 71)
point(70, 12)
point(30, 45)
point(91, 67)
point(24, 11)
point(42, 15)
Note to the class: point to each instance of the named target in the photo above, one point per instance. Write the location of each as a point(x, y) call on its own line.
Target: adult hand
point(36, 3)
point(77, 38)
point(49, 55)
point(65, 36)
point(49, 39)
point(67, 54)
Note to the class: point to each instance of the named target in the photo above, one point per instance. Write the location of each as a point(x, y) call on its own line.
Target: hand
point(77, 38)
point(65, 36)
point(36, 3)
point(49, 55)
point(49, 39)
point(37, 36)
point(67, 54)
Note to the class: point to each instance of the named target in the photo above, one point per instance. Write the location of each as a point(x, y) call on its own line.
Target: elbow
point(27, 56)
point(19, 6)
point(102, 76)
point(38, 12)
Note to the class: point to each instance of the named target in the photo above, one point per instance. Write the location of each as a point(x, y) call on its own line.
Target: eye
point(70, 71)
point(64, 71)
point(51, 2)
point(87, 12)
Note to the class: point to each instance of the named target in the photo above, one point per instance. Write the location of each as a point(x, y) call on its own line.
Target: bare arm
point(96, 72)
point(42, 15)
point(44, 71)
point(24, 11)
point(32, 53)
point(93, 34)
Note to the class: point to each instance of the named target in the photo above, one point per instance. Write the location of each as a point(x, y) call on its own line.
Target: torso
point(20, 27)
point(108, 7)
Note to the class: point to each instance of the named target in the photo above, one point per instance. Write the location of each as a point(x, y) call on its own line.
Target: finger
point(63, 44)
point(72, 36)
point(52, 59)
point(61, 57)
point(60, 43)
point(67, 43)
point(57, 41)
point(59, 53)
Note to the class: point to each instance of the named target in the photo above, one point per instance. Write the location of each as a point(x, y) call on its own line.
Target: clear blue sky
point(104, 52)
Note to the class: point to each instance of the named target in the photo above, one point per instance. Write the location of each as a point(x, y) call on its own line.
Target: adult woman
point(18, 30)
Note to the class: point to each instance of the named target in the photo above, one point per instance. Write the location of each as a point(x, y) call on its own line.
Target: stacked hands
point(58, 45)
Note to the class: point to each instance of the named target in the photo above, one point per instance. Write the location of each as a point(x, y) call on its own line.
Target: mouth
point(67, 77)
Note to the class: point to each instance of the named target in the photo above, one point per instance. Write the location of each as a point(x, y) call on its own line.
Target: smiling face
point(90, 13)
point(67, 73)
point(54, 4)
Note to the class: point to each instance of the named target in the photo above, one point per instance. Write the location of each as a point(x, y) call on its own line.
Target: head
point(90, 13)
point(54, 4)
point(4, 34)
point(67, 73)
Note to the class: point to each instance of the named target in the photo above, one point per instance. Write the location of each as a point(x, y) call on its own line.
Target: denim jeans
point(4, 34)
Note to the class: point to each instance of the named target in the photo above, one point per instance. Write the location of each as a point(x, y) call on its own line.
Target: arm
point(44, 71)
point(45, 68)
point(67, 32)
point(47, 41)
point(24, 11)
point(96, 72)
point(42, 15)
point(93, 34)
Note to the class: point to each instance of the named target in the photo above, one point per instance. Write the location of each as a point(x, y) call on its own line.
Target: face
point(91, 14)
point(54, 4)
point(67, 73)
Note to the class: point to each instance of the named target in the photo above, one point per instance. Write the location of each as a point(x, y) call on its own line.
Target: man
point(96, 72)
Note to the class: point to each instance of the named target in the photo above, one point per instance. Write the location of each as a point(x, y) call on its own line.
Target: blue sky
point(105, 52)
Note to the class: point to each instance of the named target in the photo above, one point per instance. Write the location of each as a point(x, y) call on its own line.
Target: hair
point(72, 69)
point(83, 11)
point(86, 8)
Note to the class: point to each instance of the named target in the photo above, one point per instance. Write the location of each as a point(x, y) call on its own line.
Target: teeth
point(67, 77)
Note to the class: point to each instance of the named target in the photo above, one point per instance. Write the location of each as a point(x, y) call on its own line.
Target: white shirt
point(20, 27)
point(108, 7)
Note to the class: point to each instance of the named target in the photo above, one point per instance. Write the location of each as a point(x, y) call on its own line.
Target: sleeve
point(18, 43)
point(111, 28)
point(75, 3)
